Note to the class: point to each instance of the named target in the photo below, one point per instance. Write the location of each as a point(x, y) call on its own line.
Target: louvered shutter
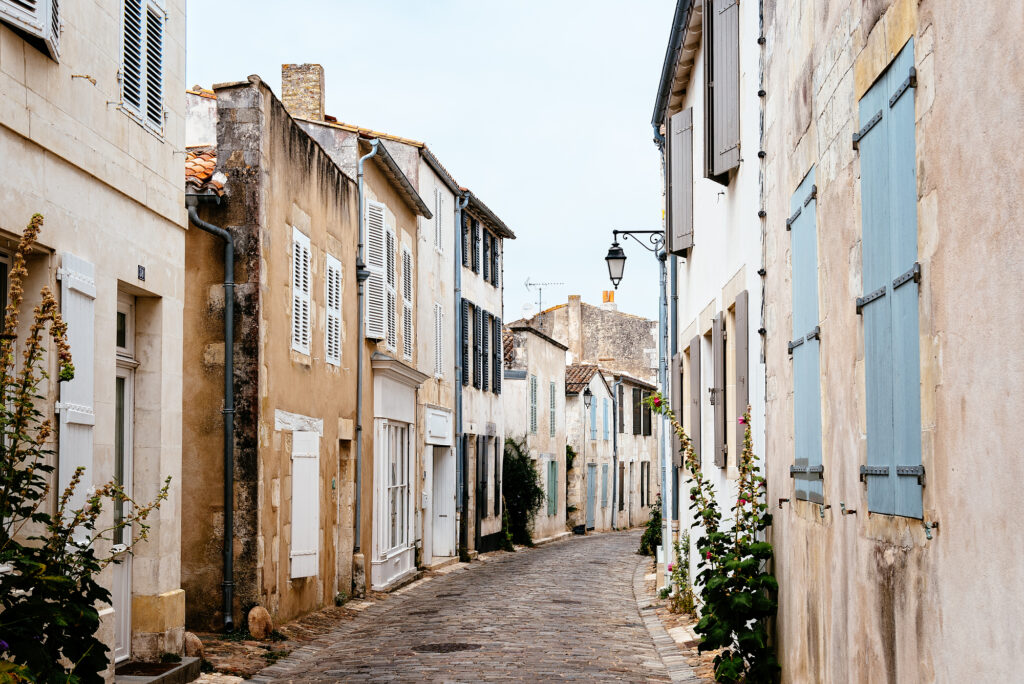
point(155, 67)
point(499, 360)
point(676, 387)
point(76, 407)
point(622, 411)
point(465, 240)
point(408, 336)
point(464, 320)
point(495, 260)
point(485, 350)
point(604, 402)
point(552, 486)
point(133, 56)
point(721, 31)
point(477, 316)
point(142, 67)
point(646, 413)
point(533, 404)
point(742, 347)
point(552, 417)
point(301, 277)
point(486, 246)
point(695, 395)
point(375, 244)
point(497, 478)
point(391, 290)
point(718, 388)
point(604, 485)
point(438, 340)
point(476, 246)
point(593, 421)
point(638, 420)
point(39, 18)
point(680, 180)
point(332, 344)
point(305, 504)
point(438, 212)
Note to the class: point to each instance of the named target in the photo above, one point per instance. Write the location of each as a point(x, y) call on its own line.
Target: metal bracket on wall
point(873, 470)
point(859, 135)
point(814, 470)
point(911, 471)
point(869, 297)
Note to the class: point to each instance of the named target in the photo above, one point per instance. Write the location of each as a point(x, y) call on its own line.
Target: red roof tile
point(201, 171)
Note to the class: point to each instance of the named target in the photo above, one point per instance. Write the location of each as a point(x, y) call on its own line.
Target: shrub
point(523, 493)
point(651, 539)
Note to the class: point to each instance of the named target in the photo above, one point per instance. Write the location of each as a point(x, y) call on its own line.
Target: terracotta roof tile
point(578, 376)
point(507, 348)
point(201, 173)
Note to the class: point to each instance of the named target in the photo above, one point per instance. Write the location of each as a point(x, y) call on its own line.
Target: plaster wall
point(871, 598)
point(636, 449)
point(597, 452)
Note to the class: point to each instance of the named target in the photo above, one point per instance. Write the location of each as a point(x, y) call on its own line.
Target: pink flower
point(709, 555)
point(656, 401)
point(742, 420)
point(743, 502)
point(670, 567)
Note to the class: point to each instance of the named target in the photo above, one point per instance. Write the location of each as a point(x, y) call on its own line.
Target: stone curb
point(668, 651)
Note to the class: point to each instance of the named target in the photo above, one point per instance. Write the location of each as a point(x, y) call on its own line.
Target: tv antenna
point(540, 292)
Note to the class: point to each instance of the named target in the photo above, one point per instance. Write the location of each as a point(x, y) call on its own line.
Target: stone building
point(535, 411)
point(635, 452)
point(88, 139)
point(590, 431)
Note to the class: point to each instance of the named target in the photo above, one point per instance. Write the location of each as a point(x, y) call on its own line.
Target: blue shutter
point(604, 485)
point(805, 342)
point(552, 486)
point(593, 421)
point(605, 404)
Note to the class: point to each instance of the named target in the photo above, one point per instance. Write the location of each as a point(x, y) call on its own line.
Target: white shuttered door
point(333, 327)
point(301, 277)
point(305, 503)
point(77, 304)
point(375, 248)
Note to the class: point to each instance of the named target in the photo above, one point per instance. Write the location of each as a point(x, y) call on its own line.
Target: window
point(408, 338)
point(332, 343)
point(464, 327)
point(804, 347)
point(497, 477)
point(391, 290)
point(638, 424)
point(718, 397)
point(438, 212)
point(499, 360)
point(142, 61)
point(552, 487)
point(375, 250)
point(551, 410)
point(397, 479)
point(646, 414)
point(721, 89)
point(438, 340)
point(533, 404)
point(890, 272)
point(679, 181)
point(300, 291)
point(593, 421)
point(605, 404)
point(37, 18)
point(305, 504)
point(604, 485)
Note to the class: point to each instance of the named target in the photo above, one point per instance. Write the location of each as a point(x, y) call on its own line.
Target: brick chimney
point(608, 300)
point(302, 90)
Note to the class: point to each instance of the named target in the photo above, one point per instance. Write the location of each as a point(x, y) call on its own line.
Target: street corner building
point(837, 269)
point(89, 140)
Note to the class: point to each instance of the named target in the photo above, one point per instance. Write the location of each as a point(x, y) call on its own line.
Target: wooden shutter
point(332, 342)
point(593, 421)
point(305, 504)
point(476, 246)
point(675, 382)
point(552, 486)
point(301, 286)
point(391, 290)
point(696, 393)
point(680, 179)
point(438, 340)
point(375, 250)
point(742, 359)
point(718, 388)
point(76, 407)
point(133, 56)
point(638, 421)
point(622, 479)
point(552, 416)
point(722, 73)
point(464, 320)
point(499, 360)
point(438, 210)
point(646, 413)
point(485, 336)
point(495, 261)
point(38, 18)
point(621, 409)
point(604, 485)
point(408, 333)
point(497, 477)
point(142, 67)
point(604, 401)
point(155, 67)
point(533, 404)
point(465, 240)
point(481, 475)
point(486, 246)
point(477, 315)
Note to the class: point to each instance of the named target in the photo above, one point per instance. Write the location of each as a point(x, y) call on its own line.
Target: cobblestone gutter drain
point(449, 647)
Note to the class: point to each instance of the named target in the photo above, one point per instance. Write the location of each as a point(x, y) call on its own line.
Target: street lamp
point(588, 397)
point(616, 260)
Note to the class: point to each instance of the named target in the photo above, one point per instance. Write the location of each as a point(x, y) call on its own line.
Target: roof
point(579, 375)
point(507, 348)
point(683, 42)
point(366, 132)
point(435, 164)
point(489, 217)
point(201, 175)
point(202, 92)
point(538, 333)
point(393, 171)
point(630, 380)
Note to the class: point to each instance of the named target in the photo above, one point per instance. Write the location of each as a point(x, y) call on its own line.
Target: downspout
point(228, 585)
point(668, 495)
point(460, 446)
point(361, 275)
point(615, 448)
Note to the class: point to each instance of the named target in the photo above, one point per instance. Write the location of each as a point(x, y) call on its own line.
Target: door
point(443, 504)
point(629, 504)
point(591, 493)
point(121, 591)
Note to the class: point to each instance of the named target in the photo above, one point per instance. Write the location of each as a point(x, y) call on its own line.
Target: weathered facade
point(591, 433)
point(535, 410)
point(635, 452)
point(92, 146)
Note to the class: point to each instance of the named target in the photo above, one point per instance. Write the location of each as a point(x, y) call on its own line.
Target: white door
point(121, 591)
point(443, 503)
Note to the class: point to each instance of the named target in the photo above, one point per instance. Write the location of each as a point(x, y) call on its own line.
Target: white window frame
point(301, 300)
point(396, 486)
point(139, 113)
point(332, 304)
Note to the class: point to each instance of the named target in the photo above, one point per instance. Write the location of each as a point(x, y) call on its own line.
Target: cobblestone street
point(563, 611)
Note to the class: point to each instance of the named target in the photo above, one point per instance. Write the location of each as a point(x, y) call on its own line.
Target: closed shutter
point(621, 409)
point(460, 461)
point(552, 415)
point(155, 67)
point(438, 209)
point(638, 421)
point(718, 388)
point(332, 342)
point(465, 240)
point(497, 477)
point(408, 332)
point(477, 315)
point(495, 261)
point(742, 363)
point(485, 350)
point(476, 246)
point(722, 73)
point(805, 344)
point(676, 387)
point(646, 413)
point(438, 340)
point(890, 303)
point(39, 18)
point(142, 68)
point(622, 484)
point(695, 396)
point(376, 301)
point(301, 286)
point(464, 321)
point(533, 404)
point(133, 56)
point(391, 290)
point(487, 256)
point(680, 178)
point(593, 421)
point(76, 407)
point(305, 504)
point(552, 487)
point(499, 360)
point(604, 485)
point(605, 422)
point(481, 475)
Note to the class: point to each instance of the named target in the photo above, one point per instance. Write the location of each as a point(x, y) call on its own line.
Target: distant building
point(591, 432)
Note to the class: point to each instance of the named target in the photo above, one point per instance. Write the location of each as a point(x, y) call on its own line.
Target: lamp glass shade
point(588, 396)
point(616, 261)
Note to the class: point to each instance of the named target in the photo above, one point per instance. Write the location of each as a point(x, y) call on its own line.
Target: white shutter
point(438, 340)
point(142, 61)
point(407, 289)
point(75, 439)
point(375, 248)
point(332, 343)
point(132, 56)
point(391, 284)
point(300, 291)
point(305, 503)
point(40, 18)
point(438, 207)
point(155, 67)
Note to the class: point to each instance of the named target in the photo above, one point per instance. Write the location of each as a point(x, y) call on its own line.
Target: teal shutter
point(552, 486)
point(605, 403)
point(533, 404)
point(604, 485)
point(552, 417)
point(593, 421)
point(890, 302)
point(804, 346)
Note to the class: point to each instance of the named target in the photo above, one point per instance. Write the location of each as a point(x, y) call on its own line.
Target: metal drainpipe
point(361, 275)
point(460, 447)
point(668, 512)
point(228, 585)
point(663, 376)
point(615, 447)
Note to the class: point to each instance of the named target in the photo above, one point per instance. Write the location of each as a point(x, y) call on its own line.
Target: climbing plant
point(522, 491)
point(679, 576)
point(651, 538)
point(737, 591)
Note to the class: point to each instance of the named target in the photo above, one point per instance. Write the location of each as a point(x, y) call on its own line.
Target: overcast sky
point(541, 107)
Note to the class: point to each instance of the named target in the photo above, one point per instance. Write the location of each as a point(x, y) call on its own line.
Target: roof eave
point(680, 25)
point(394, 172)
point(495, 223)
point(442, 172)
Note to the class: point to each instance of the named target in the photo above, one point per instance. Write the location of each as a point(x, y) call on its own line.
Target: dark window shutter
point(637, 412)
point(680, 183)
point(499, 360)
point(622, 483)
point(742, 366)
point(460, 466)
point(718, 387)
point(646, 414)
point(481, 477)
point(722, 88)
point(465, 240)
point(695, 395)
point(485, 337)
point(495, 263)
point(621, 407)
point(476, 246)
point(676, 402)
point(477, 315)
point(497, 477)
point(486, 246)
point(465, 341)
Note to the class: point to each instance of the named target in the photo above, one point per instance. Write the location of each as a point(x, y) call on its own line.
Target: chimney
point(608, 300)
point(574, 328)
point(302, 90)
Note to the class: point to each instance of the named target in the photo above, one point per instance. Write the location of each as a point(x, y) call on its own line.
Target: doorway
point(591, 494)
point(124, 420)
point(443, 503)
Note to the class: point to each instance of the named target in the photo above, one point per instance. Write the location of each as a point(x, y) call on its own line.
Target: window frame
point(139, 113)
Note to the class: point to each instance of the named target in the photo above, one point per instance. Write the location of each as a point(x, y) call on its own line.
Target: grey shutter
point(620, 407)
point(637, 412)
point(475, 237)
point(695, 395)
point(742, 366)
point(465, 341)
point(465, 240)
point(487, 256)
point(477, 312)
point(718, 388)
point(498, 358)
point(722, 78)
point(485, 336)
point(497, 478)
point(646, 414)
point(481, 475)
point(460, 467)
point(680, 183)
point(676, 403)
point(495, 263)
